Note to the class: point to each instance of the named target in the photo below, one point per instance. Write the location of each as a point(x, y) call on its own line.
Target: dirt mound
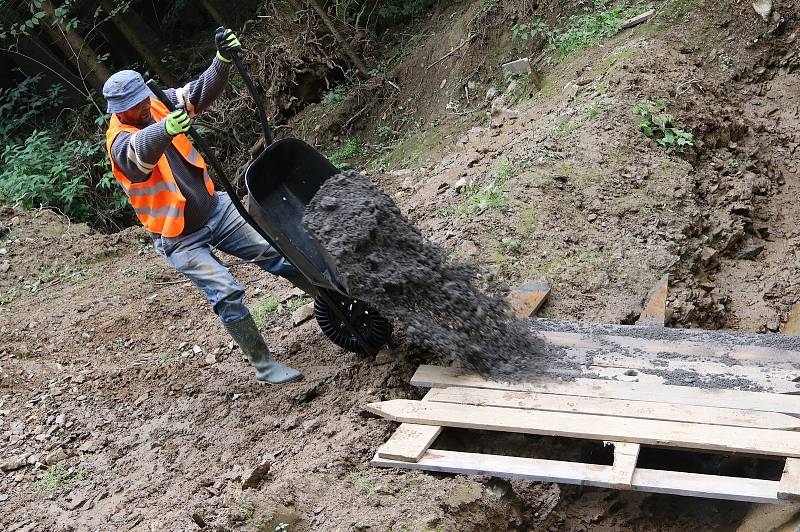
point(384, 260)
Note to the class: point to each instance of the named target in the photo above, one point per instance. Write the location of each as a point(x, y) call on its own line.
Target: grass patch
point(5, 299)
point(263, 308)
point(528, 221)
point(57, 477)
point(163, 356)
point(589, 28)
point(296, 302)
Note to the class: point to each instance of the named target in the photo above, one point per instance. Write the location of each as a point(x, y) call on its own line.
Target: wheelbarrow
point(280, 182)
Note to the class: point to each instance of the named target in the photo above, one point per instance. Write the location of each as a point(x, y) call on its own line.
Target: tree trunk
point(212, 11)
point(354, 57)
point(130, 25)
point(77, 49)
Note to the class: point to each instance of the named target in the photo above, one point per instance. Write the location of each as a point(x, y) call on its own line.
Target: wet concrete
point(439, 303)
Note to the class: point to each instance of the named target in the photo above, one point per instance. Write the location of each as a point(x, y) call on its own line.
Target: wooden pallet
point(628, 415)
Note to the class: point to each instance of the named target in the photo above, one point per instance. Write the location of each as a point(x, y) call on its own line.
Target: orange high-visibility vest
point(158, 201)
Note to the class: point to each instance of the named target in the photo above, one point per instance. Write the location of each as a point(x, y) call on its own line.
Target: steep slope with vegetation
point(666, 148)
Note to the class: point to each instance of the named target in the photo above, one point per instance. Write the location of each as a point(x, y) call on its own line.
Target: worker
point(167, 183)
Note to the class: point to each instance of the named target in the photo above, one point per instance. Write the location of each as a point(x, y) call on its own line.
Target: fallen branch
point(451, 52)
point(638, 19)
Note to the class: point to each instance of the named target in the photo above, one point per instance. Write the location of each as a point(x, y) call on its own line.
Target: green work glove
point(227, 44)
point(177, 122)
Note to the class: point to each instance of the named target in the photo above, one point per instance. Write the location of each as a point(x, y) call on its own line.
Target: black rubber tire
point(375, 328)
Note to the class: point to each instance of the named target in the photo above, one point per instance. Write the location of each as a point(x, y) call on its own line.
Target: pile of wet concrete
point(438, 303)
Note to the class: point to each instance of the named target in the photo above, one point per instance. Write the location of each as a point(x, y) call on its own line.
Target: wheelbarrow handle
point(262, 115)
point(251, 88)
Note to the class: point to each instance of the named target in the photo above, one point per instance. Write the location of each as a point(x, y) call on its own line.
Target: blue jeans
point(226, 231)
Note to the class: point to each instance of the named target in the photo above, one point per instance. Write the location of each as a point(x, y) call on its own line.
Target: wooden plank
point(671, 482)
point(434, 376)
point(410, 441)
point(655, 311)
point(779, 380)
point(615, 407)
point(609, 428)
point(789, 487)
point(625, 457)
point(684, 347)
point(528, 298)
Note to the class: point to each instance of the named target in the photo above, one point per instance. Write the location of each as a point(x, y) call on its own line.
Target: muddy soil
point(124, 406)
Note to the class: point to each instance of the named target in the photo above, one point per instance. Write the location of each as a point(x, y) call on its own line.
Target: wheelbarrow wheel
point(373, 327)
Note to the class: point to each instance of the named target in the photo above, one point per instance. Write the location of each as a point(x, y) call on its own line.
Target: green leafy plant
point(526, 31)
point(510, 244)
point(659, 125)
point(263, 308)
point(350, 149)
point(57, 477)
point(22, 104)
point(72, 176)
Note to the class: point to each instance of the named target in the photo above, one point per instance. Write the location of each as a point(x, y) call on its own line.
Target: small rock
point(56, 456)
point(751, 251)
point(76, 503)
point(197, 349)
point(61, 419)
point(311, 425)
point(303, 314)
point(210, 359)
point(290, 422)
point(763, 8)
point(384, 356)
point(491, 94)
point(469, 248)
point(5, 266)
point(253, 478)
point(592, 217)
point(14, 463)
point(773, 325)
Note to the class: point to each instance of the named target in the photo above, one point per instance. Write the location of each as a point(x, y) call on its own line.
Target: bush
point(73, 177)
point(20, 105)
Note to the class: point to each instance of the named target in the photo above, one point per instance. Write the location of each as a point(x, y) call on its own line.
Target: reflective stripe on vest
point(159, 212)
point(151, 190)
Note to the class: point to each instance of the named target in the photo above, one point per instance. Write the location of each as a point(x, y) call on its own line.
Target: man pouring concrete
point(168, 185)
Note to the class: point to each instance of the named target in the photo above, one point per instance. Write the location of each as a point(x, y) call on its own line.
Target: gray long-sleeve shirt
point(135, 154)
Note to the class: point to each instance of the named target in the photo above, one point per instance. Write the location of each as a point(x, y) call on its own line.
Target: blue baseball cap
point(125, 89)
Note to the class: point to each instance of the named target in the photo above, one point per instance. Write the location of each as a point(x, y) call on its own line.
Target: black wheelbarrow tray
point(281, 182)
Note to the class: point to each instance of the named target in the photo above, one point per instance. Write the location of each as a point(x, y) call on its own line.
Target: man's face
point(138, 115)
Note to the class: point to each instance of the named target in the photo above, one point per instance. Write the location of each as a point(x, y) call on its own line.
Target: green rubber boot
point(269, 370)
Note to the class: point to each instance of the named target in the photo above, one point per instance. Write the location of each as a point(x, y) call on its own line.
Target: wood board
point(614, 407)
point(644, 431)
point(434, 376)
point(669, 482)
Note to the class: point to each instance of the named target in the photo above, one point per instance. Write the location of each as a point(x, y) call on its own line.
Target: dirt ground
point(124, 406)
